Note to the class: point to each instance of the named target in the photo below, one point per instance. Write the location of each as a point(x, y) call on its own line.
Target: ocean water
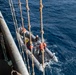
point(59, 18)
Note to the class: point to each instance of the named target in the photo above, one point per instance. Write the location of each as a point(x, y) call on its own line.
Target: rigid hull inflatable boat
point(37, 56)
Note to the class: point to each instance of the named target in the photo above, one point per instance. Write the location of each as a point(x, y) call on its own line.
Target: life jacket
point(42, 46)
point(29, 46)
point(26, 40)
point(23, 30)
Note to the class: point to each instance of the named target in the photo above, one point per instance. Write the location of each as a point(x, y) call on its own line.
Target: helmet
point(37, 36)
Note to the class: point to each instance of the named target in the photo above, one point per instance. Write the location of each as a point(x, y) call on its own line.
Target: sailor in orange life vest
point(23, 30)
point(42, 46)
point(29, 46)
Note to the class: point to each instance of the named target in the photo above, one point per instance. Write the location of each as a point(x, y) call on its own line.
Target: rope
point(21, 14)
point(16, 26)
point(28, 65)
point(21, 19)
point(14, 19)
point(41, 21)
point(13, 14)
point(28, 62)
point(28, 15)
point(29, 28)
point(42, 32)
point(24, 34)
point(22, 22)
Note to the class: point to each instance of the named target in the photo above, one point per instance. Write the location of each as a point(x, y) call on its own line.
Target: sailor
point(29, 45)
point(42, 46)
point(23, 30)
point(37, 38)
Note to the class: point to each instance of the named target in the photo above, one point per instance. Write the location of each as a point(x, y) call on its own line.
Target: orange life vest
point(42, 46)
point(23, 30)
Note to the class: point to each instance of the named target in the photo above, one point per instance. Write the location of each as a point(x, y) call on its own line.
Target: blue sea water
point(59, 18)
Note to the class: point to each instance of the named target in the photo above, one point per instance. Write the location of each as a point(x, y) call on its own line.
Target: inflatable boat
point(48, 55)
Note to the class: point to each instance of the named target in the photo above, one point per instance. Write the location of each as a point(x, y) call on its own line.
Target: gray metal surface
point(15, 55)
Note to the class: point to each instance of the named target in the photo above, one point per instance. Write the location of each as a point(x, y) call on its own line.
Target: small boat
point(37, 56)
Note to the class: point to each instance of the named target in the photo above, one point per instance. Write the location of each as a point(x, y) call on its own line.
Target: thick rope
point(22, 20)
point(24, 34)
point(28, 15)
point(16, 25)
point(14, 19)
point(41, 21)
point(13, 14)
point(29, 28)
point(21, 13)
point(22, 27)
point(42, 32)
point(28, 62)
